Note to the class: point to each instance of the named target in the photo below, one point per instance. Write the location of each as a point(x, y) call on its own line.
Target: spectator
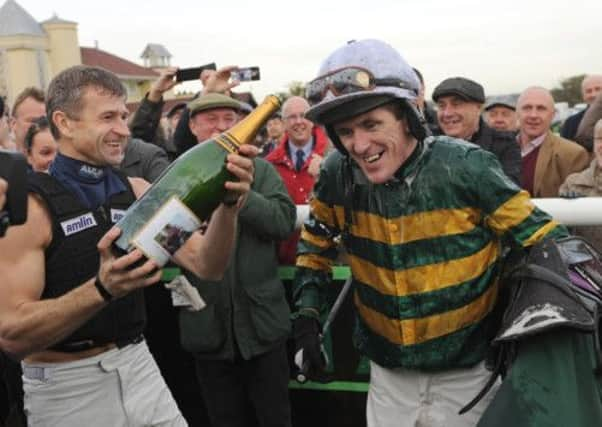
point(5, 140)
point(71, 309)
point(297, 159)
point(40, 145)
point(173, 117)
point(429, 114)
point(459, 101)
point(500, 114)
point(275, 132)
point(585, 133)
point(588, 183)
point(547, 159)
point(28, 106)
point(144, 160)
point(421, 219)
point(238, 340)
point(590, 87)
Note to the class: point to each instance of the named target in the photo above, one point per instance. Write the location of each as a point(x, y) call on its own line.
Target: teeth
point(373, 158)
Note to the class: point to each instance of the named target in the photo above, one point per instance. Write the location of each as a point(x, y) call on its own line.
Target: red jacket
point(299, 184)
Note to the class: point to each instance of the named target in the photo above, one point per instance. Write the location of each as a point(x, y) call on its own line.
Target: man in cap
point(591, 85)
point(421, 219)
point(239, 340)
point(459, 101)
point(547, 159)
point(500, 113)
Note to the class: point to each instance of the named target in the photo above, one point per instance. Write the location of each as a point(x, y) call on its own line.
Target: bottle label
point(226, 143)
point(166, 231)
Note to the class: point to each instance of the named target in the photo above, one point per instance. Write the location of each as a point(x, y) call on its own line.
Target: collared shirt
point(531, 145)
point(307, 149)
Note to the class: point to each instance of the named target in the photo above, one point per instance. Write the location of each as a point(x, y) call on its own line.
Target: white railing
point(578, 211)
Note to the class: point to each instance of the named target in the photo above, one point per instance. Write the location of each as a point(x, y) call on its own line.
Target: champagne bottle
point(187, 192)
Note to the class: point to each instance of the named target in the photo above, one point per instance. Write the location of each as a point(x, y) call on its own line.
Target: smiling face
point(42, 151)
point(210, 123)
point(535, 109)
point(99, 133)
point(378, 141)
point(458, 117)
point(297, 127)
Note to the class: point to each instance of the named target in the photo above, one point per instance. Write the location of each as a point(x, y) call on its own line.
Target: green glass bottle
point(187, 192)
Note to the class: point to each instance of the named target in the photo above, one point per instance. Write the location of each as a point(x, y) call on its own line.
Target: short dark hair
point(67, 89)
point(398, 109)
point(39, 125)
point(2, 104)
point(29, 92)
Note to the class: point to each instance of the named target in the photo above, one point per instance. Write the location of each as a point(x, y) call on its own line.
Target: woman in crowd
point(41, 146)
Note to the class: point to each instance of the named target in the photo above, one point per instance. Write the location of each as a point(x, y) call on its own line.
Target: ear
point(63, 123)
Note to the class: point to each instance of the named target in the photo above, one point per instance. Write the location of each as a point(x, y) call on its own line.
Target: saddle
point(558, 285)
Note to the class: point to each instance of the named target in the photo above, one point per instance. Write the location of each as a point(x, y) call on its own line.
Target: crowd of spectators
point(236, 345)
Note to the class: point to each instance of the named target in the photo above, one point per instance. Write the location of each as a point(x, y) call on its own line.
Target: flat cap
point(503, 101)
point(211, 101)
point(462, 87)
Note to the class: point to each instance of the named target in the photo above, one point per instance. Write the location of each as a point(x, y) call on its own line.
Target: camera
point(245, 74)
point(186, 74)
point(13, 169)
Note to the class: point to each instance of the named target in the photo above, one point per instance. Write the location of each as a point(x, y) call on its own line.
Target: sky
point(504, 45)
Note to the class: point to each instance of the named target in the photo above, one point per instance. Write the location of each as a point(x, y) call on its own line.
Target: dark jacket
point(145, 125)
point(143, 160)
point(571, 124)
point(504, 146)
point(248, 305)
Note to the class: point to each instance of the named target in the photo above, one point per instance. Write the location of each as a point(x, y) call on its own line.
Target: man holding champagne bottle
point(238, 340)
point(71, 309)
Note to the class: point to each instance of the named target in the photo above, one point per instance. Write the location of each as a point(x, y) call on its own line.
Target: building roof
point(168, 105)
point(155, 49)
point(122, 67)
point(14, 20)
point(56, 20)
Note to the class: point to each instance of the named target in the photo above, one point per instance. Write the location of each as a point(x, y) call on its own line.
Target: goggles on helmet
point(347, 80)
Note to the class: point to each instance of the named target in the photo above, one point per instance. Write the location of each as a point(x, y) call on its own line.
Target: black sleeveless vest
point(72, 259)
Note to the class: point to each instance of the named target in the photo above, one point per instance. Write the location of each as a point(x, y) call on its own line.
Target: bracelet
point(106, 295)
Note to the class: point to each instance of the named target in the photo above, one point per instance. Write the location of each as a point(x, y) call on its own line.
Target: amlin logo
point(77, 224)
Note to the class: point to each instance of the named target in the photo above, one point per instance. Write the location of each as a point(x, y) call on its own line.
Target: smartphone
point(245, 74)
point(186, 74)
point(13, 169)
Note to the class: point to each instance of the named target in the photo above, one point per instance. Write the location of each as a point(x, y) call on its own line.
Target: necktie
point(299, 162)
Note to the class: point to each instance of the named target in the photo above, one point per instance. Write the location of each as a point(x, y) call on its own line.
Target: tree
point(569, 90)
point(295, 88)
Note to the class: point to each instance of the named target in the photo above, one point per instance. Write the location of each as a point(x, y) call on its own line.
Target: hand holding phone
point(186, 74)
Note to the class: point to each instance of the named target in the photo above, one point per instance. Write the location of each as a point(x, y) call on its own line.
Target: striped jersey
point(424, 251)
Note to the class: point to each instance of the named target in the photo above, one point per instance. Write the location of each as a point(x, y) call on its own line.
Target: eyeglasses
point(294, 117)
point(347, 80)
